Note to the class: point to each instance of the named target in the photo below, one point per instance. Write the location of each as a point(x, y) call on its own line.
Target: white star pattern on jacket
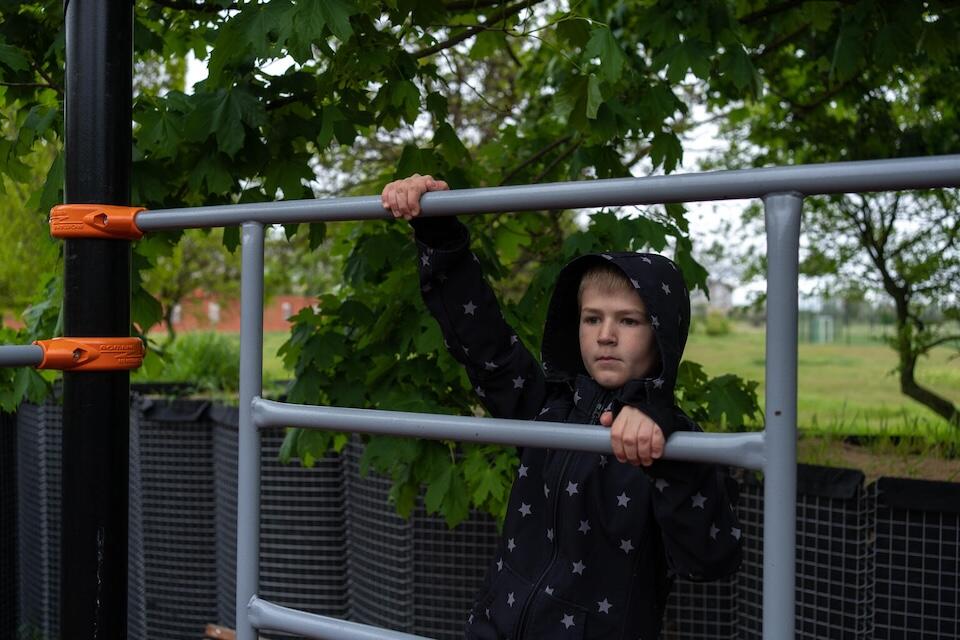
point(698, 500)
point(735, 532)
point(714, 531)
point(584, 526)
point(626, 545)
point(665, 287)
point(623, 499)
point(636, 285)
point(548, 590)
point(571, 488)
point(604, 606)
point(518, 382)
point(511, 545)
point(661, 484)
point(500, 564)
point(550, 535)
point(490, 366)
point(514, 339)
point(425, 261)
point(546, 491)
point(469, 308)
point(522, 472)
point(603, 461)
point(510, 599)
point(658, 383)
point(654, 321)
point(567, 621)
point(646, 259)
point(576, 397)
point(524, 509)
point(578, 567)
point(480, 392)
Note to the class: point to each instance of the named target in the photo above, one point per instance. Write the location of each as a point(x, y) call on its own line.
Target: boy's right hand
point(402, 197)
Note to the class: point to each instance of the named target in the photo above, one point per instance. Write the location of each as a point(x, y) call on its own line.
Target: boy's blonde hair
point(605, 277)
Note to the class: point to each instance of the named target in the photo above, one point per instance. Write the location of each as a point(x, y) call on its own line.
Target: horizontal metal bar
point(20, 356)
point(738, 449)
point(811, 179)
point(267, 616)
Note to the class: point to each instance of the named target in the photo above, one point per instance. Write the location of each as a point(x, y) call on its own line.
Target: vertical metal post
point(780, 474)
point(96, 414)
point(251, 385)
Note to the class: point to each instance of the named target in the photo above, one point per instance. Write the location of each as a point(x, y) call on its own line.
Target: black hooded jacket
point(589, 544)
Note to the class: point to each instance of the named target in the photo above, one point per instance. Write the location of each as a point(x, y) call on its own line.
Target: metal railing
point(773, 451)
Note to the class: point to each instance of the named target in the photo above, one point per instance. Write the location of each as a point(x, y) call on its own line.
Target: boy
point(587, 542)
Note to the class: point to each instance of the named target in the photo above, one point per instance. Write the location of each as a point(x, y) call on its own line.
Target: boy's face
point(616, 339)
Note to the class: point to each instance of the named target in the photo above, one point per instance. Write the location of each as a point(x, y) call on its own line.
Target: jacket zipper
point(594, 419)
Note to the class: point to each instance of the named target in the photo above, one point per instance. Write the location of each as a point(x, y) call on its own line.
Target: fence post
point(96, 411)
point(248, 460)
point(780, 471)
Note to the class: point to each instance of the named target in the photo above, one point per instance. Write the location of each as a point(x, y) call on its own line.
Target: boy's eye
point(590, 319)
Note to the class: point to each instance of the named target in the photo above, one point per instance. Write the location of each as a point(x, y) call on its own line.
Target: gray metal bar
point(248, 463)
point(780, 474)
point(20, 356)
point(814, 179)
point(267, 616)
point(739, 449)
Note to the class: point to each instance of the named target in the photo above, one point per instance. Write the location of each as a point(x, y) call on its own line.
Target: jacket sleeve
point(694, 506)
point(505, 376)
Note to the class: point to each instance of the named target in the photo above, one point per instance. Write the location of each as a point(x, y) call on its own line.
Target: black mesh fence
point(225, 451)
point(872, 562)
point(303, 563)
point(834, 580)
point(8, 525)
point(917, 559)
point(414, 575)
point(175, 503)
point(39, 430)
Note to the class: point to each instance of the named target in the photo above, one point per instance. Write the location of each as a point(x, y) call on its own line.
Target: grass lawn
point(847, 389)
point(847, 395)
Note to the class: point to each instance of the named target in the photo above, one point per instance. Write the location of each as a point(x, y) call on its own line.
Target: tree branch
point(470, 5)
point(942, 340)
point(536, 156)
point(29, 85)
point(469, 32)
point(563, 156)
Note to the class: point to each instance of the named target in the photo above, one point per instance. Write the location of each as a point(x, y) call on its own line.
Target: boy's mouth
point(606, 359)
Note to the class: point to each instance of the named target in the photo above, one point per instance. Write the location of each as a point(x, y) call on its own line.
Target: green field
point(848, 389)
point(844, 389)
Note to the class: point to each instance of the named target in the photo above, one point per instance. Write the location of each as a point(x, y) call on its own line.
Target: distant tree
point(856, 81)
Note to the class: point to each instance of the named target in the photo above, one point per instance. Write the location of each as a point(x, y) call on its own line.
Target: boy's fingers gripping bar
point(91, 354)
point(95, 221)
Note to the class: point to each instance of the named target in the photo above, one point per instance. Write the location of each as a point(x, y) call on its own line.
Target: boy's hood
point(660, 285)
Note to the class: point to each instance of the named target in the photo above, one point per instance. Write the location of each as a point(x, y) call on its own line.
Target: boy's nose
point(607, 334)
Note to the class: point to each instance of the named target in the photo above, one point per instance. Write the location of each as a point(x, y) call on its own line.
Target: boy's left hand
point(635, 437)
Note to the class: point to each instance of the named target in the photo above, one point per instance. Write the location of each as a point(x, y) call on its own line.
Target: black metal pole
point(96, 414)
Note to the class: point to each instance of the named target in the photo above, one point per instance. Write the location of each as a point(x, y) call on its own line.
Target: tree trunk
point(908, 383)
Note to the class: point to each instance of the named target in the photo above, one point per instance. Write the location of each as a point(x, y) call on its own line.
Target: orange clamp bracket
point(91, 354)
point(95, 221)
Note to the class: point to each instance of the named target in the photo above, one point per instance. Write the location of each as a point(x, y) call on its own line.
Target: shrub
point(717, 324)
point(207, 360)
